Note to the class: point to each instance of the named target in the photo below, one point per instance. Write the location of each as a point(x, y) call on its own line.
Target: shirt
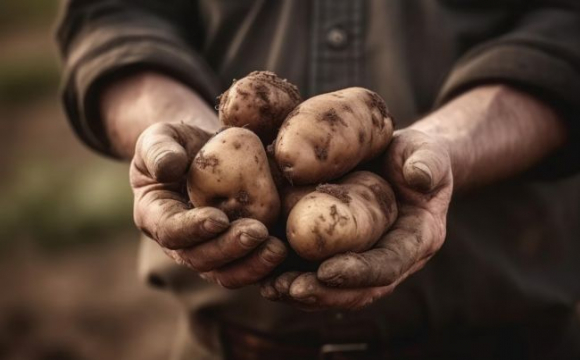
point(508, 270)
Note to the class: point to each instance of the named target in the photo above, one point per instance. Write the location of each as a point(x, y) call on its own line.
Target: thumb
point(165, 150)
point(425, 169)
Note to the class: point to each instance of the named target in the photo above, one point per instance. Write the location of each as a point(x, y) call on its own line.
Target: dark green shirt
point(509, 271)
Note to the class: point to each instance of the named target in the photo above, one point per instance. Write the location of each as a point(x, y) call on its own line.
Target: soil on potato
point(336, 191)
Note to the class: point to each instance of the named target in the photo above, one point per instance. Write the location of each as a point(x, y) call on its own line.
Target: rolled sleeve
point(103, 40)
point(540, 55)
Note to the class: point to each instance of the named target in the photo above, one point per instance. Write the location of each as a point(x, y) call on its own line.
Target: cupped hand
point(419, 169)
point(231, 254)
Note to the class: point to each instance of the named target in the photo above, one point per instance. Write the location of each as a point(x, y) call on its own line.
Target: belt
point(243, 344)
point(356, 342)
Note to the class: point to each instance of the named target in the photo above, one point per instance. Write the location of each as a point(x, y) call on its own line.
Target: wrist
point(493, 132)
point(133, 103)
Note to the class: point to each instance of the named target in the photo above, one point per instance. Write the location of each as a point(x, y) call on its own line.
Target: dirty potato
point(337, 218)
point(260, 102)
point(328, 135)
point(231, 173)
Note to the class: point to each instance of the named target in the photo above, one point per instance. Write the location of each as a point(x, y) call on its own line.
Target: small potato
point(337, 218)
point(231, 173)
point(260, 102)
point(328, 135)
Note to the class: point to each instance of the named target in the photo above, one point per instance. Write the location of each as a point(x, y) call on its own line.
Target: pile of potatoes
point(283, 161)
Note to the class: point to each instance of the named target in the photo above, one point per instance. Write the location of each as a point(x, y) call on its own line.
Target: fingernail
point(213, 226)
point(300, 292)
point(274, 252)
point(331, 279)
point(277, 249)
point(282, 286)
point(424, 169)
point(249, 241)
point(269, 293)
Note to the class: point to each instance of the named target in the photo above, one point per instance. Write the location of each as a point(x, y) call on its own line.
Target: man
point(502, 82)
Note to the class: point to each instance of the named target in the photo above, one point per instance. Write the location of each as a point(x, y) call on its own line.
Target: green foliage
point(57, 205)
point(25, 78)
point(45, 199)
point(33, 73)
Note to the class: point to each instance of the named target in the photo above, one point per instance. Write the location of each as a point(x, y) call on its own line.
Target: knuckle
point(156, 128)
point(168, 239)
point(392, 269)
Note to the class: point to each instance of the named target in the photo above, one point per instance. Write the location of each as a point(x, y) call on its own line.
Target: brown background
point(68, 284)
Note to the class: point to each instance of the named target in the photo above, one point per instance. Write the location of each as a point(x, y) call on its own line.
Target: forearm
point(494, 132)
point(130, 105)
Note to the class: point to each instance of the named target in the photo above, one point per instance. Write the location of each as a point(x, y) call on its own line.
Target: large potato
point(231, 173)
point(328, 135)
point(260, 102)
point(337, 218)
point(290, 195)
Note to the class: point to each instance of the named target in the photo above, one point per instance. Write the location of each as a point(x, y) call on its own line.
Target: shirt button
point(337, 38)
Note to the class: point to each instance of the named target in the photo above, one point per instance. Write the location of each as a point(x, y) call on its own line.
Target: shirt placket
point(336, 56)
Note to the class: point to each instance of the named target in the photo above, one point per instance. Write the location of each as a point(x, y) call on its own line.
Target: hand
point(135, 110)
point(231, 254)
point(419, 169)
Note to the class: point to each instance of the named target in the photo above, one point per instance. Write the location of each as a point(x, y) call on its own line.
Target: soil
point(85, 303)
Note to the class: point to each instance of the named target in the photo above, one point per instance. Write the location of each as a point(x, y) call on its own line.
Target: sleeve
point(540, 55)
point(100, 39)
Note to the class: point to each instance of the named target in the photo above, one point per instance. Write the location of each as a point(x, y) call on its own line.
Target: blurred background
point(68, 283)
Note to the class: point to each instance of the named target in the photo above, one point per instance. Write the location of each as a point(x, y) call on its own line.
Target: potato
point(231, 173)
point(290, 195)
point(337, 218)
point(328, 135)
point(260, 102)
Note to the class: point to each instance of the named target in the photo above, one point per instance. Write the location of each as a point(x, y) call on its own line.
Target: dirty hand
point(139, 112)
point(231, 254)
point(419, 168)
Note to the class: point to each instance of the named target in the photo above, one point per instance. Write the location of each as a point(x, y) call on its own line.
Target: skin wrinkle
point(523, 129)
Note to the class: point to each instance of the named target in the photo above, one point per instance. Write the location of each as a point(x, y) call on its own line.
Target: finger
point(284, 281)
point(308, 290)
point(253, 268)
point(414, 238)
point(267, 289)
point(163, 214)
point(164, 150)
point(242, 237)
point(426, 168)
point(276, 288)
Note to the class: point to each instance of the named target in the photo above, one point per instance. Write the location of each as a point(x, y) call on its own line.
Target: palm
point(419, 170)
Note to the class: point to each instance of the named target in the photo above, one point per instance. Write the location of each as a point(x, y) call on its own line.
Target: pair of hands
point(489, 133)
point(240, 253)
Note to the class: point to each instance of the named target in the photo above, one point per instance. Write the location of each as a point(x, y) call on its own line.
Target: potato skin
point(231, 173)
point(337, 218)
point(260, 102)
point(328, 135)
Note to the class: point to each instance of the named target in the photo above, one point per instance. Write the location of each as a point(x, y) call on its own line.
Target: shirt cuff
point(106, 53)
